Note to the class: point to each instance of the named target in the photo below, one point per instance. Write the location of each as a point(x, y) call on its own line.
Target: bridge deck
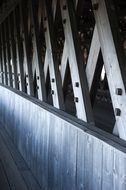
point(14, 172)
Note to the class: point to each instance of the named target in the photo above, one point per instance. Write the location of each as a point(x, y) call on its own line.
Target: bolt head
point(76, 100)
point(64, 7)
point(53, 80)
point(76, 84)
point(52, 92)
point(119, 91)
point(117, 112)
point(64, 21)
point(95, 6)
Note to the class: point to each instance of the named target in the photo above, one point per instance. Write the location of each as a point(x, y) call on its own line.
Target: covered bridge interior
point(62, 94)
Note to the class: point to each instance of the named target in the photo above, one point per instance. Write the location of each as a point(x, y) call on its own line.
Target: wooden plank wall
point(60, 154)
point(55, 51)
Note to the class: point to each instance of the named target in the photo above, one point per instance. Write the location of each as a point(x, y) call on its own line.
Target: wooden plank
point(68, 148)
point(96, 78)
point(64, 62)
point(26, 49)
point(37, 54)
point(54, 7)
point(107, 168)
point(13, 51)
point(112, 62)
point(45, 152)
point(64, 59)
point(30, 180)
point(8, 57)
point(54, 159)
point(81, 161)
point(46, 64)
point(76, 64)
point(19, 49)
point(119, 171)
point(3, 179)
point(88, 172)
point(20, 163)
point(1, 62)
point(86, 156)
point(13, 175)
point(40, 147)
point(55, 77)
point(97, 164)
point(51, 156)
point(4, 56)
point(92, 57)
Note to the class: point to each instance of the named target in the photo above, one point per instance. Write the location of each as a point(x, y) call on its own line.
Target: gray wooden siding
point(60, 154)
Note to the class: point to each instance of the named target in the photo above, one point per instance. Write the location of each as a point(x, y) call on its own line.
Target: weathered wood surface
point(14, 172)
point(62, 152)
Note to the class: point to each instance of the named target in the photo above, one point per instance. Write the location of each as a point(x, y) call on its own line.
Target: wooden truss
point(29, 54)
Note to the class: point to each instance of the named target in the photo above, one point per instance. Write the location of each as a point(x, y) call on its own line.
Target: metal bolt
point(76, 84)
point(52, 92)
point(95, 6)
point(117, 112)
point(64, 21)
point(26, 76)
point(37, 87)
point(76, 99)
point(119, 91)
point(53, 80)
point(37, 77)
point(64, 7)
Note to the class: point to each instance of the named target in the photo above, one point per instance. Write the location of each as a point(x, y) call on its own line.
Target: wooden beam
point(55, 77)
point(46, 64)
point(4, 56)
point(92, 57)
point(8, 53)
point(40, 78)
point(1, 62)
point(19, 49)
point(13, 51)
point(112, 62)
point(26, 48)
point(78, 75)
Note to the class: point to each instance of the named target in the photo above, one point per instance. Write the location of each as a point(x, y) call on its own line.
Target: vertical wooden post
point(1, 63)
point(4, 56)
point(37, 53)
point(13, 51)
point(19, 49)
point(8, 54)
point(26, 48)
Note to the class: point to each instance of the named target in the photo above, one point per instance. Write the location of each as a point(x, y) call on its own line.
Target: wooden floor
point(14, 172)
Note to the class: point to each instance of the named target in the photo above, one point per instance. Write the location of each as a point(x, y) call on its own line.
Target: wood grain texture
point(60, 154)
